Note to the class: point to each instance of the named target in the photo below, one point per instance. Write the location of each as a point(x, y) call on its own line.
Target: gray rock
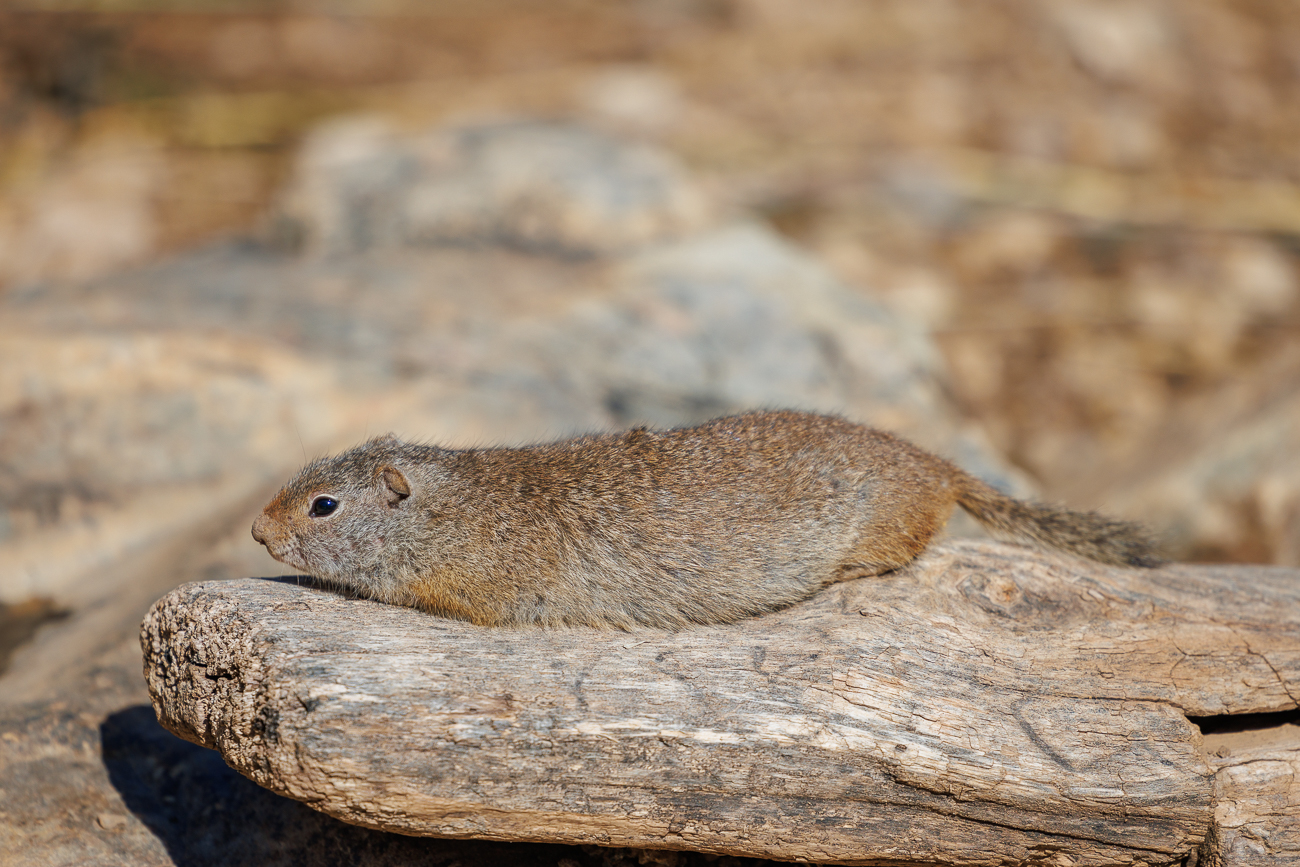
point(539, 186)
point(734, 319)
point(110, 441)
point(1237, 498)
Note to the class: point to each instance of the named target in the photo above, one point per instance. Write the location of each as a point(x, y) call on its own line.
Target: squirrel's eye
point(322, 506)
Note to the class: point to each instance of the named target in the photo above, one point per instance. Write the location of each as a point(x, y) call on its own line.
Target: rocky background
point(1057, 241)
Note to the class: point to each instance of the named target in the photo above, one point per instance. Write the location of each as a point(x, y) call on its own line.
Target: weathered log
point(987, 705)
point(1257, 795)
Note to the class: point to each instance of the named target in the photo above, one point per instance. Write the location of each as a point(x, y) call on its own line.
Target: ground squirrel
point(707, 524)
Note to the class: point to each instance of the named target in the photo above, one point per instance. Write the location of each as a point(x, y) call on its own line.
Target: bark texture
point(987, 705)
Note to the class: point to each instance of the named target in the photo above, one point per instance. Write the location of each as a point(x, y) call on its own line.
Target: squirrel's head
point(335, 519)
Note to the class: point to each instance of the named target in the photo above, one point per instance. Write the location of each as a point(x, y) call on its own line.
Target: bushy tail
point(1085, 534)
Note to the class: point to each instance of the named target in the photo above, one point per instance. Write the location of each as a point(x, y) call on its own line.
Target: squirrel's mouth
point(288, 559)
point(284, 556)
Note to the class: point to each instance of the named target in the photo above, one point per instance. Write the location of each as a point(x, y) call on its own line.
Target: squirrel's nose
point(259, 528)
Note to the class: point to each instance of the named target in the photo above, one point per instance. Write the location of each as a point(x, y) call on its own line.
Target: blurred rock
point(1130, 41)
point(106, 441)
point(1237, 497)
point(740, 318)
point(1261, 276)
point(633, 99)
point(20, 621)
point(120, 411)
point(1201, 304)
point(666, 332)
point(86, 214)
point(532, 185)
point(673, 334)
point(1007, 245)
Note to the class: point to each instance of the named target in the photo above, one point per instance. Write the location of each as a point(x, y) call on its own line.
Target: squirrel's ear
point(398, 488)
point(389, 437)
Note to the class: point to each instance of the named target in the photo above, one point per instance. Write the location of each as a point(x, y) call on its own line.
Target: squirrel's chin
point(288, 559)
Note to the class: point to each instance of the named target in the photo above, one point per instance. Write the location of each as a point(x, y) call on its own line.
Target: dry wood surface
point(989, 704)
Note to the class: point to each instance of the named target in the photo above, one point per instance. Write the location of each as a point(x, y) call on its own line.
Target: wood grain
point(987, 705)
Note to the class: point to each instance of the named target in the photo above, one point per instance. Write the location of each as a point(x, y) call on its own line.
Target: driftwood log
point(987, 705)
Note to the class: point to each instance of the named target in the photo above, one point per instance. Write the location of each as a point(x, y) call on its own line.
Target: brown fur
point(709, 524)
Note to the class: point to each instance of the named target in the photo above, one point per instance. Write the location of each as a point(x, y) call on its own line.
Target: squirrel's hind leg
point(853, 571)
point(890, 543)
